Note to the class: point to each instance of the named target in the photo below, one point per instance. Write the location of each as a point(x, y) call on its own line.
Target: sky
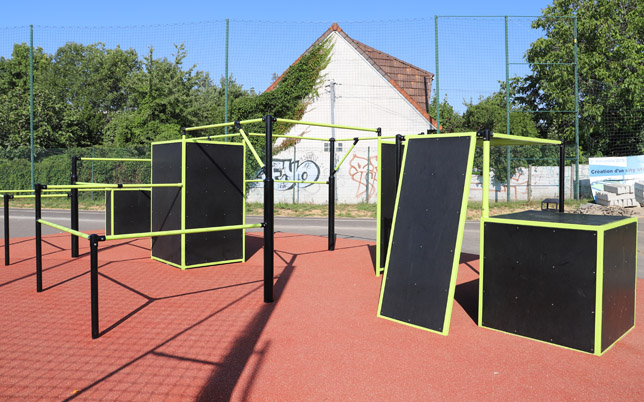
point(136, 12)
point(266, 37)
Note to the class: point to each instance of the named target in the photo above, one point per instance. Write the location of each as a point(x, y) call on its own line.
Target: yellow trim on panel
point(184, 163)
point(112, 212)
point(166, 262)
point(550, 225)
point(459, 236)
point(537, 340)
point(379, 208)
point(391, 234)
point(412, 325)
point(616, 341)
point(207, 264)
point(599, 291)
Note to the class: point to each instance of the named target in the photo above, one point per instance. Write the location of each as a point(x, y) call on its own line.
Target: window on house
point(338, 147)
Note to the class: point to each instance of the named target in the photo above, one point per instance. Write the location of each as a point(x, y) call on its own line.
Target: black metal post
point(93, 252)
point(38, 191)
point(331, 233)
point(269, 229)
point(6, 199)
point(399, 154)
point(74, 205)
point(562, 175)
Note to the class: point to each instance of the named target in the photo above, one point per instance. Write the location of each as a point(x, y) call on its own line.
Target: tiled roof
point(413, 83)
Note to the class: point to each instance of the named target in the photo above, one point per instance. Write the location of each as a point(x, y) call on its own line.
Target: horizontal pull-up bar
point(309, 123)
point(210, 137)
point(115, 159)
point(289, 181)
point(178, 232)
point(99, 186)
point(290, 136)
point(64, 229)
point(43, 196)
point(389, 137)
point(229, 124)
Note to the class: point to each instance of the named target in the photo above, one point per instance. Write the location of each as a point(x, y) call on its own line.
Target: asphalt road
point(22, 225)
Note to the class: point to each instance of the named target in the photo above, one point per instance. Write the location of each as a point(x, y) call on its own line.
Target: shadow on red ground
point(205, 334)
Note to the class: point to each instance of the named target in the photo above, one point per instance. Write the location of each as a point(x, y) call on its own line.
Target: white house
point(361, 87)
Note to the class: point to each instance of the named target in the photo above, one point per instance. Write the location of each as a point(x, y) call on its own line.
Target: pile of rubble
point(621, 195)
point(595, 209)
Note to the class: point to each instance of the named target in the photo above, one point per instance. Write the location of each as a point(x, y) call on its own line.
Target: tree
point(611, 74)
point(491, 113)
point(451, 121)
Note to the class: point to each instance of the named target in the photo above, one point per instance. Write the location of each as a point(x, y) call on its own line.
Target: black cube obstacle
point(564, 279)
point(425, 243)
point(127, 211)
point(212, 194)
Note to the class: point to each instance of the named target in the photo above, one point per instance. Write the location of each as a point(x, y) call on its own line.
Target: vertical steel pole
point(6, 199)
point(38, 190)
point(507, 105)
point(438, 93)
point(331, 233)
point(269, 230)
point(562, 175)
point(576, 195)
point(74, 205)
point(31, 100)
point(227, 83)
point(93, 252)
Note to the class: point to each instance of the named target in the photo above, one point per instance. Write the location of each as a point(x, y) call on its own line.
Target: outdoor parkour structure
point(564, 279)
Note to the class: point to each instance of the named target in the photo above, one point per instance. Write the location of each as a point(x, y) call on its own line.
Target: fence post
point(367, 180)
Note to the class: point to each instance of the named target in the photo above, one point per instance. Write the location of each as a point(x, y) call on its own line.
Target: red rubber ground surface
point(205, 334)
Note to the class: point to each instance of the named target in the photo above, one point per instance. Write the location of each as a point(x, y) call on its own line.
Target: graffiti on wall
point(359, 166)
point(288, 169)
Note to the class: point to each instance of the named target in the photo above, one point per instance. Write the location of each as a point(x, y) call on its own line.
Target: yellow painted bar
point(107, 186)
point(229, 124)
point(179, 232)
point(64, 229)
point(116, 159)
point(288, 181)
point(366, 138)
point(335, 169)
point(290, 136)
point(310, 123)
point(209, 137)
point(251, 147)
point(42, 196)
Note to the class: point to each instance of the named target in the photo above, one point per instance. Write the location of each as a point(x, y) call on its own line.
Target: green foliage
point(611, 74)
point(87, 95)
point(450, 120)
point(288, 99)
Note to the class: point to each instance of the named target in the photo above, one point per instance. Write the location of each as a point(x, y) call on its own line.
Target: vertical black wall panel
point(387, 177)
point(131, 211)
point(620, 253)
point(424, 238)
point(214, 197)
point(108, 212)
point(166, 201)
point(540, 282)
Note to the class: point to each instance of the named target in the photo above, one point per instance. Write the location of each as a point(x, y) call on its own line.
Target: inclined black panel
point(559, 218)
point(131, 211)
point(419, 272)
point(166, 201)
point(388, 187)
point(620, 266)
point(540, 283)
point(214, 197)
